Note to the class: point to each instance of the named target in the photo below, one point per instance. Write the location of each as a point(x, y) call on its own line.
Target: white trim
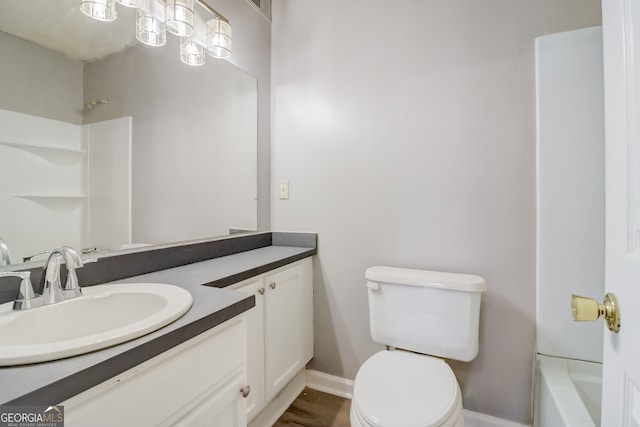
point(476, 419)
point(344, 388)
point(330, 384)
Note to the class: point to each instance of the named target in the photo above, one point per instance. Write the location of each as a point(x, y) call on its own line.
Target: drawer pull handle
point(261, 291)
point(272, 285)
point(245, 391)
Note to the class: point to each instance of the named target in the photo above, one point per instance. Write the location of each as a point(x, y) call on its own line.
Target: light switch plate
point(284, 189)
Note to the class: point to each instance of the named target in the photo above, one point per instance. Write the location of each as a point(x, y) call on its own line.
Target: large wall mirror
point(106, 143)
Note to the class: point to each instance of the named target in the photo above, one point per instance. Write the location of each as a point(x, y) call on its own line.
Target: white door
point(621, 43)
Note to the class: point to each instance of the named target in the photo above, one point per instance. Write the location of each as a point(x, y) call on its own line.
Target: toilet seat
point(403, 389)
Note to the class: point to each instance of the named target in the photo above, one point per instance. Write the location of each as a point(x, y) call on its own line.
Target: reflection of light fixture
point(191, 53)
point(150, 28)
point(218, 38)
point(179, 17)
point(132, 3)
point(102, 10)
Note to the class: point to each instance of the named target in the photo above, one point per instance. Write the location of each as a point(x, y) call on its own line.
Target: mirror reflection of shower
point(5, 257)
point(89, 106)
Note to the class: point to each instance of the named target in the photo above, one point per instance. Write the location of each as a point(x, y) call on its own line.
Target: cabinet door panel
point(255, 347)
point(155, 392)
point(284, 328)
point(224, 408)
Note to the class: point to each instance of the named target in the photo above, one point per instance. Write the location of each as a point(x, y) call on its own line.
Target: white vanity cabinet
point(223, 377)
point(200, 382)
point(280, 330)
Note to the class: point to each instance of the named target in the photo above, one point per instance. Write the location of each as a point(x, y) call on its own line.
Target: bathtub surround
point(407, 133)
point(86, 193)
point(570, 190)
point(570, 225)
point(568, 393)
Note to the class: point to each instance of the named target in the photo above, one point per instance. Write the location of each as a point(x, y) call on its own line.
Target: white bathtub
point(568, 393)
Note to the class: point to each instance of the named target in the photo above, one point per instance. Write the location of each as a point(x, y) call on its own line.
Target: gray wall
point(38, 81)
point(407, 131)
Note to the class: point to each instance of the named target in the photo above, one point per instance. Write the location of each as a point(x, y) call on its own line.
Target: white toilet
point(422, 316)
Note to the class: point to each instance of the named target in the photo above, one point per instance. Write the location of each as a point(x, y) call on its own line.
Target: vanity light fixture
point(218, 38)
point(180, 17)
point(132, 3)
point(191, 53)
point(102, 10)
point(150, 28)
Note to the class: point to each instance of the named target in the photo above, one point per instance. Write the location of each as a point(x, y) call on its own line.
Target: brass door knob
point(272, 285)
point(261, 291)
point(588, 309)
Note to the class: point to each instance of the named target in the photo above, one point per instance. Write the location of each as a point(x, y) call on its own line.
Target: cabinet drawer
point(159, 391)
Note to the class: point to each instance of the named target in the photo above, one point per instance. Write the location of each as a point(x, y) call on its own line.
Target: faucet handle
point(26, 294)
point(71, 286)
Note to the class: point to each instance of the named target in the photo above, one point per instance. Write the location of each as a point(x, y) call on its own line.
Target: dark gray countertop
point(53, 382)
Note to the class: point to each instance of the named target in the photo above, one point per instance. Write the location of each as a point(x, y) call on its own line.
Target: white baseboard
point(344, 388)
point(330, 384)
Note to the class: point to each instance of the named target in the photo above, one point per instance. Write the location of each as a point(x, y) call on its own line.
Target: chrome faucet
point(26, 296)
point(52, 289)
point(5, 257)
point(51, 284)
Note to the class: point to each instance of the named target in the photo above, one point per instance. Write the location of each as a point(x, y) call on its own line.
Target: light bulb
point(218, 38)
point(150, 30)
point(180, 17)
point(102, 10)
point(191, 53)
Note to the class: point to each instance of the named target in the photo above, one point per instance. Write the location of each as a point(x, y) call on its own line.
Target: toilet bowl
point(424, 316)
point(404, 389)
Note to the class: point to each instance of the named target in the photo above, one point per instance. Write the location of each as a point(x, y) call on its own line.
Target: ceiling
point(59, 25)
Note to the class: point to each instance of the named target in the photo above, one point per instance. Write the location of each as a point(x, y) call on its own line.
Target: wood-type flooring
point(314, 408)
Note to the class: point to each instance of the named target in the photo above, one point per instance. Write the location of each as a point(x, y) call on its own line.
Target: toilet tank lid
point(434, 279)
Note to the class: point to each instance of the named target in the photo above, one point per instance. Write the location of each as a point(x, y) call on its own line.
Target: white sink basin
point(103, 316)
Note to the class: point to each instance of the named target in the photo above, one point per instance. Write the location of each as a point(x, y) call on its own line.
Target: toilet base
point(457, 420)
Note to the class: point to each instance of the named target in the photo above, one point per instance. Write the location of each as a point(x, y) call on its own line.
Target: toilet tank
point(428, 312)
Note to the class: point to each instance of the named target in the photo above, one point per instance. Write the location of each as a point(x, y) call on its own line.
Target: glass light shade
point(191, 53)
point(102, 10)
point(132, 3)
point(180, 17)
point(150, 30)
point(218, 38)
